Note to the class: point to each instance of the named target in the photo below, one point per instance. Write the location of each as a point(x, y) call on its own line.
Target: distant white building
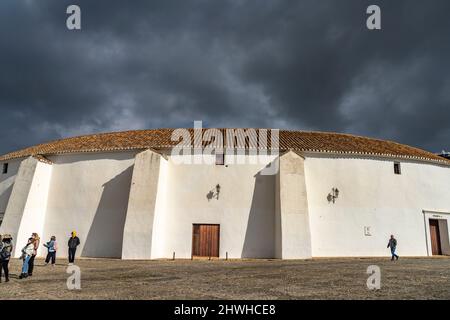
point(445, 154)
point(127, 196)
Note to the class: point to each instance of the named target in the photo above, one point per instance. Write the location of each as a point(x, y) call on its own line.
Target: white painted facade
point(142, 205)
point(371, 195)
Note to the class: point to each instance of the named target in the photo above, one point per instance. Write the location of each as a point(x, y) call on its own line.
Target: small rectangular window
point(1, 217)
point(220, 159)
point(397, 168)
point(5, 168)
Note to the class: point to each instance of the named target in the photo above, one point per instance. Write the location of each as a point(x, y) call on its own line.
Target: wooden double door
point(205, 240)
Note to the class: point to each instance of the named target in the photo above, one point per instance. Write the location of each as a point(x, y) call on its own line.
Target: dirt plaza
point(343, 278)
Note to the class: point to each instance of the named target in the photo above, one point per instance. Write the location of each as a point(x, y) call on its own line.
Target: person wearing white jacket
point(27, 252)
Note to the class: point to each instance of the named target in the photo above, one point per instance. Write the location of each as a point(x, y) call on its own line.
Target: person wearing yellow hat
point(73, 243)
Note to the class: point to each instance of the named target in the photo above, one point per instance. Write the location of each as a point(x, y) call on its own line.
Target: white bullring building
point(129, 196)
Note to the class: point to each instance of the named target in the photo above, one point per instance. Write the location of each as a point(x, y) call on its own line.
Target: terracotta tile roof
point(43, 159)
point(326, 142)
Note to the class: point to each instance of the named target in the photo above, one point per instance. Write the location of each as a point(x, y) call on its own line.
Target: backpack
point(5, 255)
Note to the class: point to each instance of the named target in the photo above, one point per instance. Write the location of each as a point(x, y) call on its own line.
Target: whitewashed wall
point(7, 182)
point(33, 217)
point(89, 194)
point(244, 210)
point(160, 235)
point(371, 195)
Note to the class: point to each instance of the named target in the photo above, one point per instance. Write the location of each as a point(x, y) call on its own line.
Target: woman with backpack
point(6, 248)
point(51, 247)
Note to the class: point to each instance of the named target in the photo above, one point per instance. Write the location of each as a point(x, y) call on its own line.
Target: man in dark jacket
point(5, 255)
point(393, 245)
point(73, 243)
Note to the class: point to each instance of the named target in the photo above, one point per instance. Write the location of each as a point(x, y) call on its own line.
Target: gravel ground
point(408, 278)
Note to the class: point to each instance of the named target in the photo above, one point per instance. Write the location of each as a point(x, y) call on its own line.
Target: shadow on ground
point(409, 278)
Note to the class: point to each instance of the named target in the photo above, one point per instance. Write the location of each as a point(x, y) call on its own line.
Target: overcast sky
point(308, 65)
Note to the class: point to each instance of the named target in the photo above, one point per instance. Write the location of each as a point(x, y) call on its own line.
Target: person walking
point(6, 248)
point(393, 245)
point(27, 252)
point(36, 243)
point(73, 243)
point(51, 247)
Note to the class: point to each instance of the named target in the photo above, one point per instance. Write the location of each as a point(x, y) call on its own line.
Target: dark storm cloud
point(309, 65)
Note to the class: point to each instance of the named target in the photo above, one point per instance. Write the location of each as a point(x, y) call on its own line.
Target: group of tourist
point(29, 252)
